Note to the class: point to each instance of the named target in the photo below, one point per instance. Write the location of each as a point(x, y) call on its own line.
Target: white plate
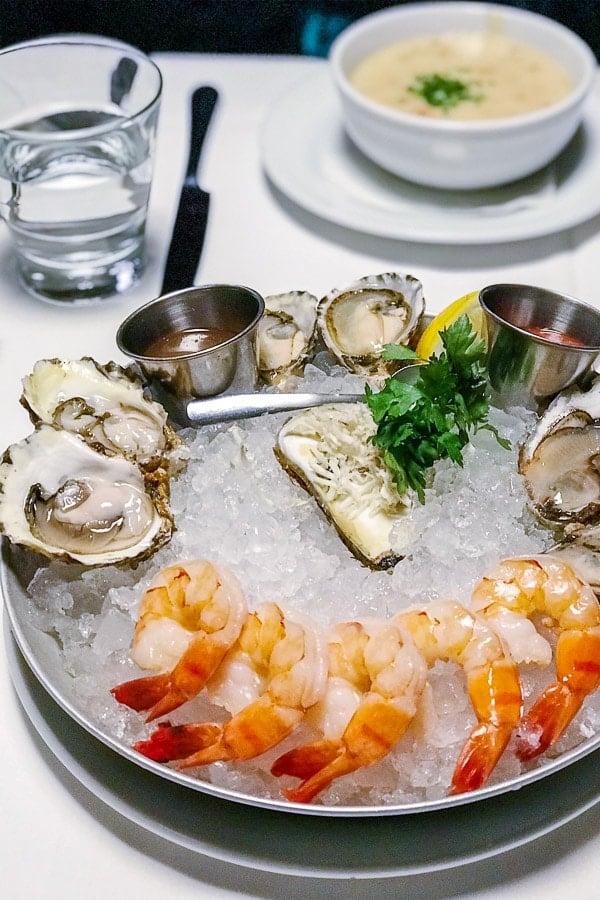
point(307, 156)
point(304, 846)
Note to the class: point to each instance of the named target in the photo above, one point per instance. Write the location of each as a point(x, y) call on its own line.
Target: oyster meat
point(560, 460)
point(107, 407)
point(580, 548)
point(327, 449)
point(356, 322)
point(64, 499)
point(285, 334)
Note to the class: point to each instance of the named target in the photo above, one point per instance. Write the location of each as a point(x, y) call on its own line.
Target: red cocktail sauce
point(557, 337)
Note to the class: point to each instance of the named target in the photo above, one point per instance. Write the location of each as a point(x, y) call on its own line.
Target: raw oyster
point(285, 334)
point(327, 449)
point(62, 498)
point(356, 322)
point(581, 550)
point(106, 406)
point(560, 460)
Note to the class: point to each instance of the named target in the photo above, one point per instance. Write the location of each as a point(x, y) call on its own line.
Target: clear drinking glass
point(77, 134)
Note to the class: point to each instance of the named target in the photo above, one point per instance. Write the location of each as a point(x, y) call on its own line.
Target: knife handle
point(203, 102)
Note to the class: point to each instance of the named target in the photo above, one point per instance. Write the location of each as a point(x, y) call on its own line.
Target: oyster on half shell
point(285, 334)
point(580, 548)
point(357, 321)
point(560, 460)
point(106, 406)
point(62, 498)
point(327, 449)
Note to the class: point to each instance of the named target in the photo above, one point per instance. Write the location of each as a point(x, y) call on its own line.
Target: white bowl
point(457, 154)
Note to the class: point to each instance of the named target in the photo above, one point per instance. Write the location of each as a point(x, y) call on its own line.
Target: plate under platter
point(42, 654)
point(309, 158)
point(338, 848)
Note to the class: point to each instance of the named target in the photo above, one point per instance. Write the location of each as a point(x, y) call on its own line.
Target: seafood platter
point(291, 612)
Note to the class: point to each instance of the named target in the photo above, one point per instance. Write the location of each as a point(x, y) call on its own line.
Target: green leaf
point(398, 351)
point(433, 418)
point(445, 91)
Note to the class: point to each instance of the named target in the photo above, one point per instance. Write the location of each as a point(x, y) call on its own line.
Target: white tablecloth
point(59, 841)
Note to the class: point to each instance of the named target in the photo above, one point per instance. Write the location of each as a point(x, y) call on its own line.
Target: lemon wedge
point(430, 341)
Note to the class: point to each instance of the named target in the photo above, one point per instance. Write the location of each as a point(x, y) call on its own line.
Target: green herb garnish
point(432, 419)
point(444, 91)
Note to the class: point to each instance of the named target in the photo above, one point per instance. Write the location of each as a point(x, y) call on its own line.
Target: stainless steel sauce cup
point(539, 341)
point(229, 312)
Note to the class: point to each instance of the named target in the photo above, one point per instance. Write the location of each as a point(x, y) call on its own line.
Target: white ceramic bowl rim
point(455, 126)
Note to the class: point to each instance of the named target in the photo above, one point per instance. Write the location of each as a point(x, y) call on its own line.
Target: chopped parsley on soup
point(462, 75)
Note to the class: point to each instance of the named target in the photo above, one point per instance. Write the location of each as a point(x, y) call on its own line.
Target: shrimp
point(550, 588)
point(189, 617)
point(446, 630)
point(275, 672)
point(377, 675)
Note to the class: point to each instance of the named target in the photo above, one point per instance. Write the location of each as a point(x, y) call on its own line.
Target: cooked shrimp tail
point(283, 662)
point(189, 618)
point(495, 693)
point(376, 727)
point(177, 741)
point(161, 694)
point(546, 587)
point(448, 631)
point(383, 669)
point(141, 693)
point(189, 676)
point(578, 674)
point(260, 726)
point(304, 762)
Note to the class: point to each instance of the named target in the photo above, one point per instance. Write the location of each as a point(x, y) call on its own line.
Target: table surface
point(57, 839)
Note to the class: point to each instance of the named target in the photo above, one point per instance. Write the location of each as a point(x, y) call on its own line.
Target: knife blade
point(191, 220)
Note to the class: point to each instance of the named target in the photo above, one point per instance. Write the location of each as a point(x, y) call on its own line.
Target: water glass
point(77, 135)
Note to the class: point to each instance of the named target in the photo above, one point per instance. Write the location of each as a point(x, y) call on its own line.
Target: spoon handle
point(246, 406)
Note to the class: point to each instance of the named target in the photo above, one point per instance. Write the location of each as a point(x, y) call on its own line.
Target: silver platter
point(307, 846)
point(42, 654)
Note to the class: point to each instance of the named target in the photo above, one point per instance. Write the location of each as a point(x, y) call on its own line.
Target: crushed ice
point(236, 506)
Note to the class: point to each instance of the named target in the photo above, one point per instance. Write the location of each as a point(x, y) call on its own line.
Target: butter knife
point(192, 213)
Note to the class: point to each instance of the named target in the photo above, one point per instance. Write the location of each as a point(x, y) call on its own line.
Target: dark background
point(233, 26)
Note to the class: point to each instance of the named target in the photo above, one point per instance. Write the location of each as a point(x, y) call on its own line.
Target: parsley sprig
point(432, 419)
point(444, 91)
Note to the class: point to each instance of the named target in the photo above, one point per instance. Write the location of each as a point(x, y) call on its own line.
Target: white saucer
point(304, 846)
point(307, 156)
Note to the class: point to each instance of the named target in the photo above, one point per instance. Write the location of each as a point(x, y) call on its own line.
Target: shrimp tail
point(546, 720)
point(304, 762)
point(479, 756)
point(373, 730)
point(177, 741)
point(578, 674)
point(337, 761)
point(495, 693)
point(161, 694)
point(141, 693)
point(254, 730)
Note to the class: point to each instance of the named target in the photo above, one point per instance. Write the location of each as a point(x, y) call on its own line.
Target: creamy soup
point(462, 75)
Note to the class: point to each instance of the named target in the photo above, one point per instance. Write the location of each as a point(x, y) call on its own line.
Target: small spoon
point(228, 408)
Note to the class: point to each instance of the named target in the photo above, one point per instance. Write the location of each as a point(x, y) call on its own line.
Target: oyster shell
point(62, 498)
point(106, 406)
point(285, 334)
point(327, 449)
point(560, 460)
point(581, 550)
point(356, 322)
